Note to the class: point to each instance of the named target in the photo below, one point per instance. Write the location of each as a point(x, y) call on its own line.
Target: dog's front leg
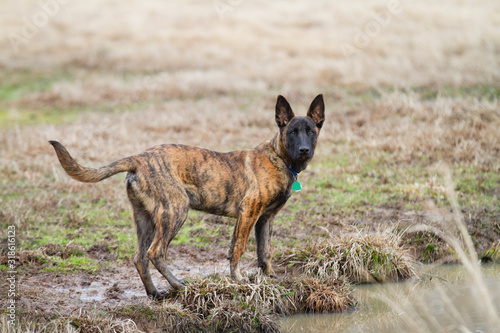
point(246, 221)
point(263, 233)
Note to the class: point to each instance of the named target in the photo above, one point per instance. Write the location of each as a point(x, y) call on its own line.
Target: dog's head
point(298, 135)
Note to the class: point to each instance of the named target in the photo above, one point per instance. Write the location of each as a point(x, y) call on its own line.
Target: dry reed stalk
point(454, 232)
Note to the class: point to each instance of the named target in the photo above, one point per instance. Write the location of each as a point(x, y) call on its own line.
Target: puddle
point(445, 301)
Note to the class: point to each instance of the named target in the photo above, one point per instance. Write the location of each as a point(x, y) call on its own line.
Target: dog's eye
point(310, 132)
point(294, 132)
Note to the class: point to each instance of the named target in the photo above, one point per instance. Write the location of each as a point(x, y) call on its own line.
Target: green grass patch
point(478, 188)
point(74, 263)
point(349, 182)
point(19, 83)
point(359, 180)
point(199, 232)
point(82, 222)
point(10, 117)
point(192, 231)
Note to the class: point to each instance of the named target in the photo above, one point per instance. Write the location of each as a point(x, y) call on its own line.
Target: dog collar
point(296, 186)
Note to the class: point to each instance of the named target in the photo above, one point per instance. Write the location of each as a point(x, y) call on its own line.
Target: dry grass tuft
point(170, 317)
point(253, 306)
point(136, 318)
point(361, 257)
point(324, 296)
point(82, 321)
point(204, 295)
point(226, 319)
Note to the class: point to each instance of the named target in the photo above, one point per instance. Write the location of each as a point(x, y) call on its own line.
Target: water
point(445, 300)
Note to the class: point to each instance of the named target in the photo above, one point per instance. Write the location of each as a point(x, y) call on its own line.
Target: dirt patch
point(63, 251)
point(105, 250)
point(4, 245)
point(484, 227)
point(114, 292)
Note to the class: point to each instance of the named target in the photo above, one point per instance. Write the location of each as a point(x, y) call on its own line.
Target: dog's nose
point(304, 150)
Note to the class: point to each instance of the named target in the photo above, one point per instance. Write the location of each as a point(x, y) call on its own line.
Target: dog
point(252, 185)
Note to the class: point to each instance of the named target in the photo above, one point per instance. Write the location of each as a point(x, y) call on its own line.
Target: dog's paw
point(240, 279)
point(276, 276)
point(158, 296)
point(180, 285)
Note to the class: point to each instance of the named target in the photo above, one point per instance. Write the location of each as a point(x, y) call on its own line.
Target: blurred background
point(120, 52)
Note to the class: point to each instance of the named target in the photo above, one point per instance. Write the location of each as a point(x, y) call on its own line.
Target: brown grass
point(255, 306)
point(138, 318)
point(360, 257)
point(249, 48)
point(266, 296)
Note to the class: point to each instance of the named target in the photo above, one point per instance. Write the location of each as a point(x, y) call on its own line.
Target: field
point(411, 92)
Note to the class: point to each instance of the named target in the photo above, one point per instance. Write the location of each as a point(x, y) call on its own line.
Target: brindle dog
point(252, 185)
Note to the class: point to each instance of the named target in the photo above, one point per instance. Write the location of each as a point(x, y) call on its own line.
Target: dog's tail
point(89, 175)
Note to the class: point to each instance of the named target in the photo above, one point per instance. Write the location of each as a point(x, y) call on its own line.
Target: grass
point(71, 264)
point(347, 183)
point(20, 87)
point(20, 83)
point(262, 294)
point(357, 256)
point(232, 306)
point(84, 321)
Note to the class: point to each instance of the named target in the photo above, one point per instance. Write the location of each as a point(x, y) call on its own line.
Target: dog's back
point(213, 182)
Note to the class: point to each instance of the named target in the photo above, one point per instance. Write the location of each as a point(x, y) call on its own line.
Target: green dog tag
point(296, 186)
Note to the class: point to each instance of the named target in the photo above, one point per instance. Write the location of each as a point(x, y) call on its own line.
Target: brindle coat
point(252, 185)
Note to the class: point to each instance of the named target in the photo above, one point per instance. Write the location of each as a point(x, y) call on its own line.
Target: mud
point(111, 287)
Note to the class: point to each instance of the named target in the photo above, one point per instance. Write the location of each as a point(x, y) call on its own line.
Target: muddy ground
point(114, 286)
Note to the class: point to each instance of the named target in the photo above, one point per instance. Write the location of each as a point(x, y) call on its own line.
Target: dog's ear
point(317, 111)
point(284, 112)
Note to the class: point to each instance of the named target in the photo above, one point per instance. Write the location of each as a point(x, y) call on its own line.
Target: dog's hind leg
point(168, 219)
point(145, 234)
